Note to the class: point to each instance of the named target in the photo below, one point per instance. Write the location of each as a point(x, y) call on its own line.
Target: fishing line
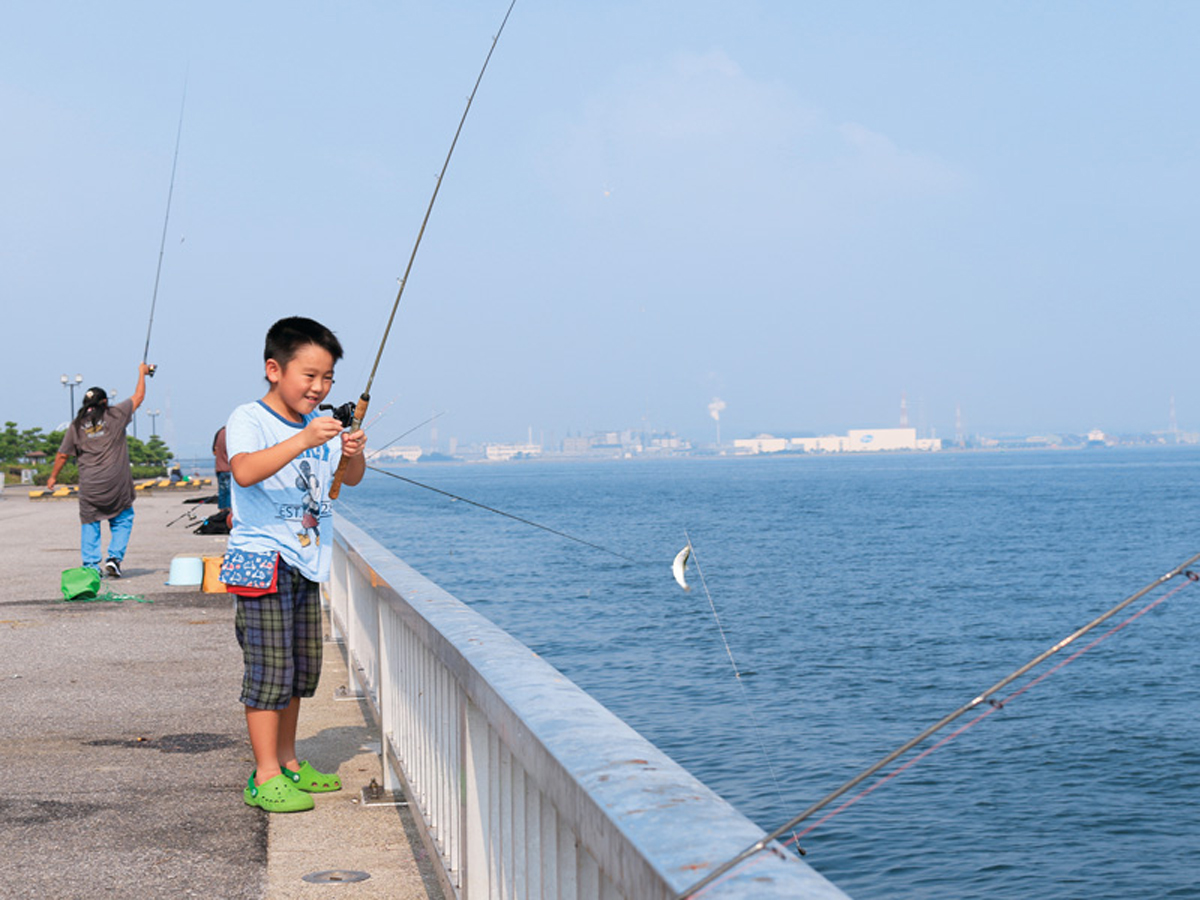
point(375, 452)
point(166, 218)
point(764, 842)
point(501, 512)
point(361, 409)
point(736, 672)
point(379, 415)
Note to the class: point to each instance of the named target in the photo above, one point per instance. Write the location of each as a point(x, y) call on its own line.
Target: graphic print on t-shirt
point(310, 517)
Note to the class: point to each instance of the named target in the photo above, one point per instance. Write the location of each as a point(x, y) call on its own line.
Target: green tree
point(158, 451)
point(16, 444)
point(10, 443)
point(32, 440)
point(152, 454)
point(148, 459)
point(52, 442)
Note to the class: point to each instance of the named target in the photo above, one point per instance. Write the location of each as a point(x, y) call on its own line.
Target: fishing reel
point(343, 413)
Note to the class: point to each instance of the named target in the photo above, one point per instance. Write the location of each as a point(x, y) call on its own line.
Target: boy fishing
point(283, 456)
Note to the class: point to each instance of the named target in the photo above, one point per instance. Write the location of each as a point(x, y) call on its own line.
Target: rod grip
point(360, 413)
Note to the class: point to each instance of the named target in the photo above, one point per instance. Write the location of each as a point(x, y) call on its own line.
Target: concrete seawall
point(124, 745)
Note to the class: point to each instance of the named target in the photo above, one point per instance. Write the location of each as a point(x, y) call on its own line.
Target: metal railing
point(525, 785)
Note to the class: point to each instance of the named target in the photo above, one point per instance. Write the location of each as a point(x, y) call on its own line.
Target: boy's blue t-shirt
point(289, 512)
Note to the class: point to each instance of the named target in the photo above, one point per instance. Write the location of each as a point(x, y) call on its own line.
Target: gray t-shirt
point(102, 454)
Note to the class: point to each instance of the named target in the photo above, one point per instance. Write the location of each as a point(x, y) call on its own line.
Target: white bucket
point(188, 570)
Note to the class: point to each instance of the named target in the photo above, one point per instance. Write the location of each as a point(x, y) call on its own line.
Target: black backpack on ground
point(217, 523)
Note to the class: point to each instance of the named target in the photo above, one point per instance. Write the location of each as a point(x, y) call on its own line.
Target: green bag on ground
point(80, 584)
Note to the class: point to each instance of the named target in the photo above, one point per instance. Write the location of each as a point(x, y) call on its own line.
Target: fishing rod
point(360, 409)
point(501, 512)
point(162, 244)
point(191, 513)
point(187, 514)
point(765, 841)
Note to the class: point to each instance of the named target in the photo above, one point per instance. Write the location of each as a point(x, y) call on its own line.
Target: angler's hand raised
point(321, 430)
point(353, 442)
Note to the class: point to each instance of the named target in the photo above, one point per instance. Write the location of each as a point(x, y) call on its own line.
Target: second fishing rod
point(353, 419)
point(987, 696)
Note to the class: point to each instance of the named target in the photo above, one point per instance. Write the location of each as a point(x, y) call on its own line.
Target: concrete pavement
point(124, 748)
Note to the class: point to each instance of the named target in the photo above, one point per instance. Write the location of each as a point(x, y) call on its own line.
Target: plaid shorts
point(281, 639)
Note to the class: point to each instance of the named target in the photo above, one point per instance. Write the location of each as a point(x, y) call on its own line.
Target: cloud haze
point(806, 210)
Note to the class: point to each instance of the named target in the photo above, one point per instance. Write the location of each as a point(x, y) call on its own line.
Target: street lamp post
point(68, 383)
point(154, 414)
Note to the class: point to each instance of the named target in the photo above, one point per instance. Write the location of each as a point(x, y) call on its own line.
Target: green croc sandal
point(311, 781)
point(276, 794)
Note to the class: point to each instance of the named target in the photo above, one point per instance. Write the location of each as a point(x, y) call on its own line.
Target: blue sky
point(805, 209)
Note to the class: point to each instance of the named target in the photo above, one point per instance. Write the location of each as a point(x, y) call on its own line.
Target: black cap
point(95, 396)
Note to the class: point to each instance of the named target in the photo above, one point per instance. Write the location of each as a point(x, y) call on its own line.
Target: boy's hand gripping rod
point(360, 411)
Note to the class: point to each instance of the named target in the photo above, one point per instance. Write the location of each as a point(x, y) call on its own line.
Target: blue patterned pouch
point(250, 574)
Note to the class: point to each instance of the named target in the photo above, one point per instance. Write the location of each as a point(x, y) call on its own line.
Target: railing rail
point(525, 785)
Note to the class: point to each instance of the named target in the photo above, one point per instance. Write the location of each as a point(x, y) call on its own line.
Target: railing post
point(353, 629)
point(337, 592)
point(548, 842)
point(387, 693)
point(568, 883)
point(476, 802)
point(533, 838)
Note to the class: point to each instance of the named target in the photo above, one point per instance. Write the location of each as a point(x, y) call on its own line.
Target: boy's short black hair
point(287, 336)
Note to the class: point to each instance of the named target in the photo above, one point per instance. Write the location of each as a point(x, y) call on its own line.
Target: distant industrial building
point(858, 440)
point(627, 443)
point(576, 446)
point(512, 451)
point(410, 454)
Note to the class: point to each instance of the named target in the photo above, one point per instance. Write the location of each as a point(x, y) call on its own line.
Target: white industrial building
point(859, 440)
point(411, 454)
point(510, 451)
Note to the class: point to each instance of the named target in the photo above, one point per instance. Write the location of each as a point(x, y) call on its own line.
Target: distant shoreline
point(401, 464)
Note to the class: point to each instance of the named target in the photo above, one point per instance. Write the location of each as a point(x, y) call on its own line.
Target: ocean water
point(863, 598)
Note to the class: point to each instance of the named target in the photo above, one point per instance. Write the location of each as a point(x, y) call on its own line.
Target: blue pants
point(120, 526)
point(223, 479)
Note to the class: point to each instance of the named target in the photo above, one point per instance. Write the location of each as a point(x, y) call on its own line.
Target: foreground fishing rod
point(162, 244)
point(764, 842)
point(360, 410)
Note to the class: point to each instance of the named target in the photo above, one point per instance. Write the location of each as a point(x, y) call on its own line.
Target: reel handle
point(343, 413)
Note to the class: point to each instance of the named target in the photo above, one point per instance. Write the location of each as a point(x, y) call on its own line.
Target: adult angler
point(96, 438)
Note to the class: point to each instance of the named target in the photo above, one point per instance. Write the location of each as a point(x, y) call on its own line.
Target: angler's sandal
point(311, 781)
point(277, 795)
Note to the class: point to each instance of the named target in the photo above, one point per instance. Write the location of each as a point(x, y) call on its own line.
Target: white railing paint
point(526, 786)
